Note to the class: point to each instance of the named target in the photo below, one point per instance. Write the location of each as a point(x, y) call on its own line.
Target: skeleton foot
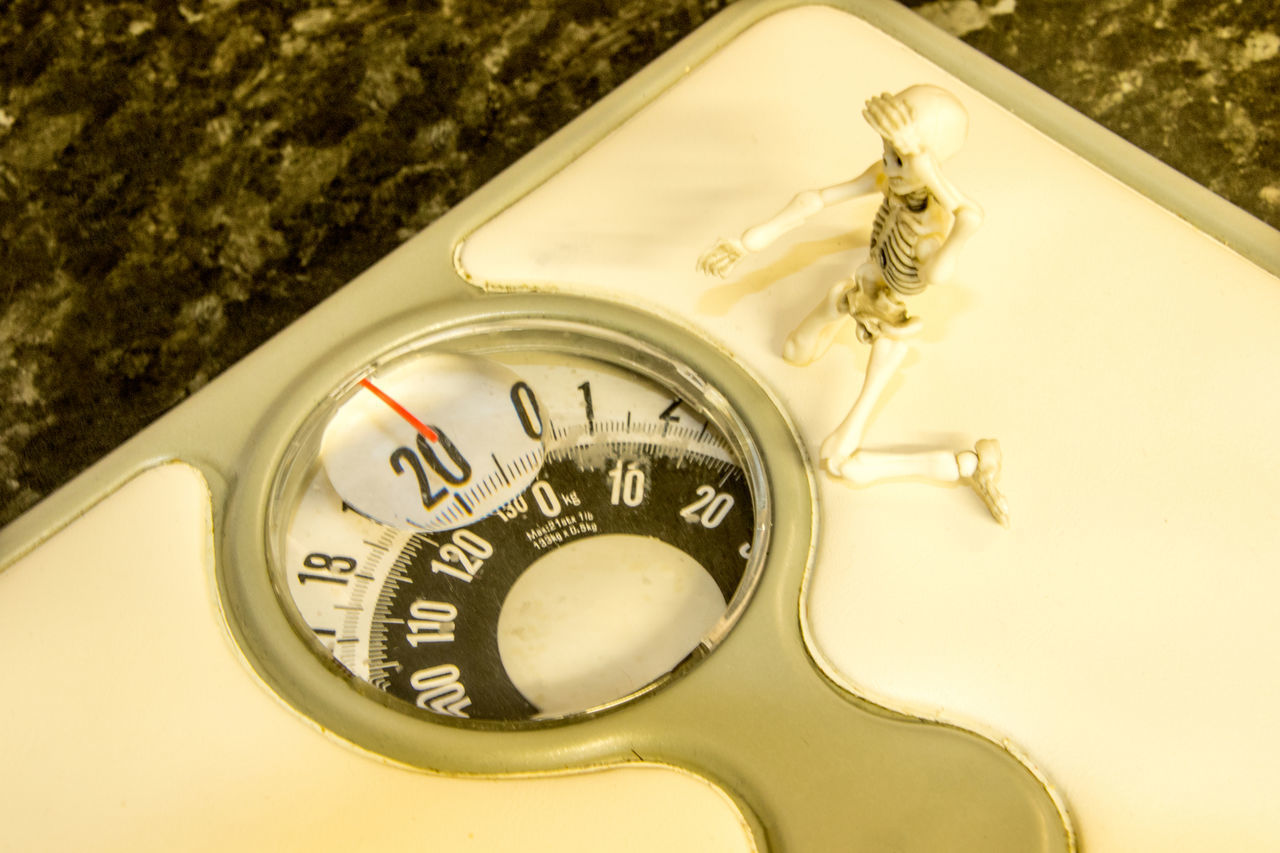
point(981, 468)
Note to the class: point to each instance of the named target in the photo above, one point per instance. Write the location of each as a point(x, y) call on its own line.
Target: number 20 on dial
point(434, 443)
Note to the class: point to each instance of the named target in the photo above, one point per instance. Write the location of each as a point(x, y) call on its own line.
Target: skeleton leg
point(980, 468)
point(886, 357)
point(812, 338)
point(866, 467)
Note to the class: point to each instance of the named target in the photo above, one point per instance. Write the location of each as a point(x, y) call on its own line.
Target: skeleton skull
point(919, 119)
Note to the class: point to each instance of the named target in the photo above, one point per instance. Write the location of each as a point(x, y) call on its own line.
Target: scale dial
point(434, 478)
point(610, 545)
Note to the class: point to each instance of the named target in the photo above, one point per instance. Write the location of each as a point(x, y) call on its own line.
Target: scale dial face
point(517, 525)
point(442, 479)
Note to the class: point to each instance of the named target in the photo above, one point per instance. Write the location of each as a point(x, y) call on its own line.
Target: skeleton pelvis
point(878, 310)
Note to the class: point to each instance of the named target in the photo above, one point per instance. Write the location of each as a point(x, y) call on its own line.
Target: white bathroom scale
point(521, 539)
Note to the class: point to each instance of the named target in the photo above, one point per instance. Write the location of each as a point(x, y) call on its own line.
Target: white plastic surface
point(1122, 633)
point(129, 722)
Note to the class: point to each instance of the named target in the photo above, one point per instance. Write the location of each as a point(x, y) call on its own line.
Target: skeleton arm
point(722, 257)
point(940, 253)
point(806, 204)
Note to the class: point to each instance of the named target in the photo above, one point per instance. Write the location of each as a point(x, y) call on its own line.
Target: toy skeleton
point(915, 240)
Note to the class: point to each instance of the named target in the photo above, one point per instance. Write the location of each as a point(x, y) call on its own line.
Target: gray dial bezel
point(320, 689)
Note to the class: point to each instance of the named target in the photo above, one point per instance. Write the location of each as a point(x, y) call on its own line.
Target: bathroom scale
point(522, 539)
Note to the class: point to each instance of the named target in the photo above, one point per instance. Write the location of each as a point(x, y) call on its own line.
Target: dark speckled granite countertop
point(180, 181)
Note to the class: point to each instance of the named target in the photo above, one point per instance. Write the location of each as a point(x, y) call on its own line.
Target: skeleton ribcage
point(894, 236)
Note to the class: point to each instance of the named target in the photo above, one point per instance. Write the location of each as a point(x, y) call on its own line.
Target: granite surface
point(180, 181)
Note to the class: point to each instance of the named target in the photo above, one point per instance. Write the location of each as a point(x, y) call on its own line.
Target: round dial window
point(517, 523)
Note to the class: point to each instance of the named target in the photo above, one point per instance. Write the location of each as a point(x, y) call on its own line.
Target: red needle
point(427, 432)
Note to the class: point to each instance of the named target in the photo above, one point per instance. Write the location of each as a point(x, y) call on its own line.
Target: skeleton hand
point(937, 260)
point(721, 258)
point(939, 269)
point(896, 122)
